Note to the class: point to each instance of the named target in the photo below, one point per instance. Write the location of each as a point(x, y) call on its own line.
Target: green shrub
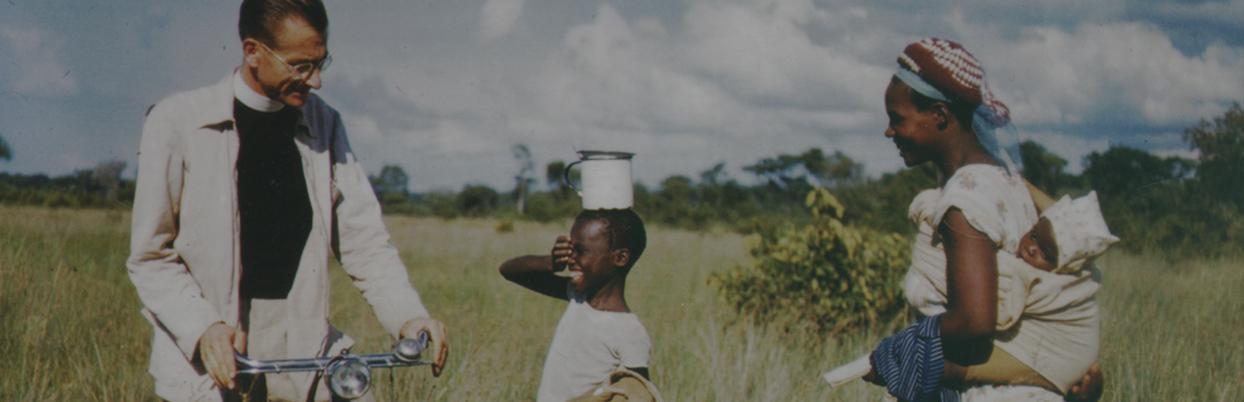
point(826, 273)
point(505, 226)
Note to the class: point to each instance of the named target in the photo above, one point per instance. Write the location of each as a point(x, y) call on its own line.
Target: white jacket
point(184, 250)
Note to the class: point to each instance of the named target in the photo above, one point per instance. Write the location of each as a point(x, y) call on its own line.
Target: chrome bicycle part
point(348, 375)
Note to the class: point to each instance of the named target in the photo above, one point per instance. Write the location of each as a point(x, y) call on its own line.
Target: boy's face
point(1038, 247)
point(594, 263)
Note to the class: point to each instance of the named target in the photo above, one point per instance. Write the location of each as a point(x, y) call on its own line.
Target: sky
point(445, 89)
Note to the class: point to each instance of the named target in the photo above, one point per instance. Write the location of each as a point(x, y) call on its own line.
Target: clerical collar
point(252, 99)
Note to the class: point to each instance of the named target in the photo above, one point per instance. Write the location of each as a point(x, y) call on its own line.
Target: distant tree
point(792, 171)
point(831, 170)
point(713, 183)
point(522, 179)
point(1122, 170)
point(391, 187)
point(1151, 203)
point(6, 152)
point(393, 180)
point(714, 175)
point(882, 203)
point(677, 189)
point(1220, 168)
point(553, 172)
point(679, 203)
point(779, 171)
point(1042, 168)
point(106, 176)
point(477, 200)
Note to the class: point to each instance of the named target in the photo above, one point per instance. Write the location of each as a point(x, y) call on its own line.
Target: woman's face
point(914, 131)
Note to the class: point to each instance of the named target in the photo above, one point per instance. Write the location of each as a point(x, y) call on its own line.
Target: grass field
point(70, 328)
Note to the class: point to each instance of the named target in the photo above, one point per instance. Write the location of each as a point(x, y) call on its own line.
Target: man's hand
point(216, 348)
point(562, 253)
point(1089, 389)
point(437, 335)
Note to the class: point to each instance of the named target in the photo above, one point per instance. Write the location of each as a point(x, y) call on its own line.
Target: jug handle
point(566, 177)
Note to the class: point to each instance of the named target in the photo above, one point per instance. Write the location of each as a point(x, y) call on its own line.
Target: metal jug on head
point(606, 179)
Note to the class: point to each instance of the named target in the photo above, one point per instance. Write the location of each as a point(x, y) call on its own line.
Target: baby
point(1077, 225)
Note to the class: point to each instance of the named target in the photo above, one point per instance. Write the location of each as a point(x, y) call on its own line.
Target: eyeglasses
point(305, 69)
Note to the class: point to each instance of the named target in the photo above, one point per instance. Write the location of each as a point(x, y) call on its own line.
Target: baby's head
point(606, 245)
point(1069, 233)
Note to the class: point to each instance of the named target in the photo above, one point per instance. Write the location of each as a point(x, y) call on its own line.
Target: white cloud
point(735, 82)
point(498, 18)
point(39, 62)
point(739, 81)
point(1182, 152)
point(444, 89)
point(762, 53)
point(1229, 12)
point(729, 82)
point(1098, 73)
point(364, 129)
point(732, 72)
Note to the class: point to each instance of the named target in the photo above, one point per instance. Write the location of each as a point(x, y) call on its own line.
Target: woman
point(942, 112)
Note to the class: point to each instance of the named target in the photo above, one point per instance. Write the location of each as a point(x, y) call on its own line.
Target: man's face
point(594, 263)
point(1038, 247)
point(913, 131)
point(295, 42)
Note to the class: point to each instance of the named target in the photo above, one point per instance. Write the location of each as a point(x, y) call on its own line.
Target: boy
point(597, 334)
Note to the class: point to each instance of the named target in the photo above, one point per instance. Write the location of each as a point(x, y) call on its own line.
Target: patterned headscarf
point(944, 70)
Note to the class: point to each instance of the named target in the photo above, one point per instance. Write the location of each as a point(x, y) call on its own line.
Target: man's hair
point(624, 228)
point(258, 19)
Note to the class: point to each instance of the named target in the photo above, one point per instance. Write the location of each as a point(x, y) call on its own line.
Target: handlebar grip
point(410, 349)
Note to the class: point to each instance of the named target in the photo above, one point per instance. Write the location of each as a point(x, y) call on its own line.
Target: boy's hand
point(562, 254)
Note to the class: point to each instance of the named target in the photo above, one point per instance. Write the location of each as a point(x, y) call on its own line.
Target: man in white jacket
point(244, 188)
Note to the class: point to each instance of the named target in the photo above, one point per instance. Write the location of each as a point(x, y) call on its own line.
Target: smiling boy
point(598, 334)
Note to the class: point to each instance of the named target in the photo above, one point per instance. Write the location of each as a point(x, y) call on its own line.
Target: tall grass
point(70, 328)
point(69, 322)
point(1172, 330)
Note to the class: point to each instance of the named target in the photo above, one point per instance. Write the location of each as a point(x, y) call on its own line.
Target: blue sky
point(445, 88)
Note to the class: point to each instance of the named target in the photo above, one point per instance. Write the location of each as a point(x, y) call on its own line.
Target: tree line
point(1178, 206)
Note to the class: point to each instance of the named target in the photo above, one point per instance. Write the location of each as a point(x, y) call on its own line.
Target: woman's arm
point(967, 327)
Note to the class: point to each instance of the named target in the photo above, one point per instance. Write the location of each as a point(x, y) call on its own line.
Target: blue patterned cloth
point(910, 363)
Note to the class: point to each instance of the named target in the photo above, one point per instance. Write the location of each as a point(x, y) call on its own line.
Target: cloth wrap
point(910, 363)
